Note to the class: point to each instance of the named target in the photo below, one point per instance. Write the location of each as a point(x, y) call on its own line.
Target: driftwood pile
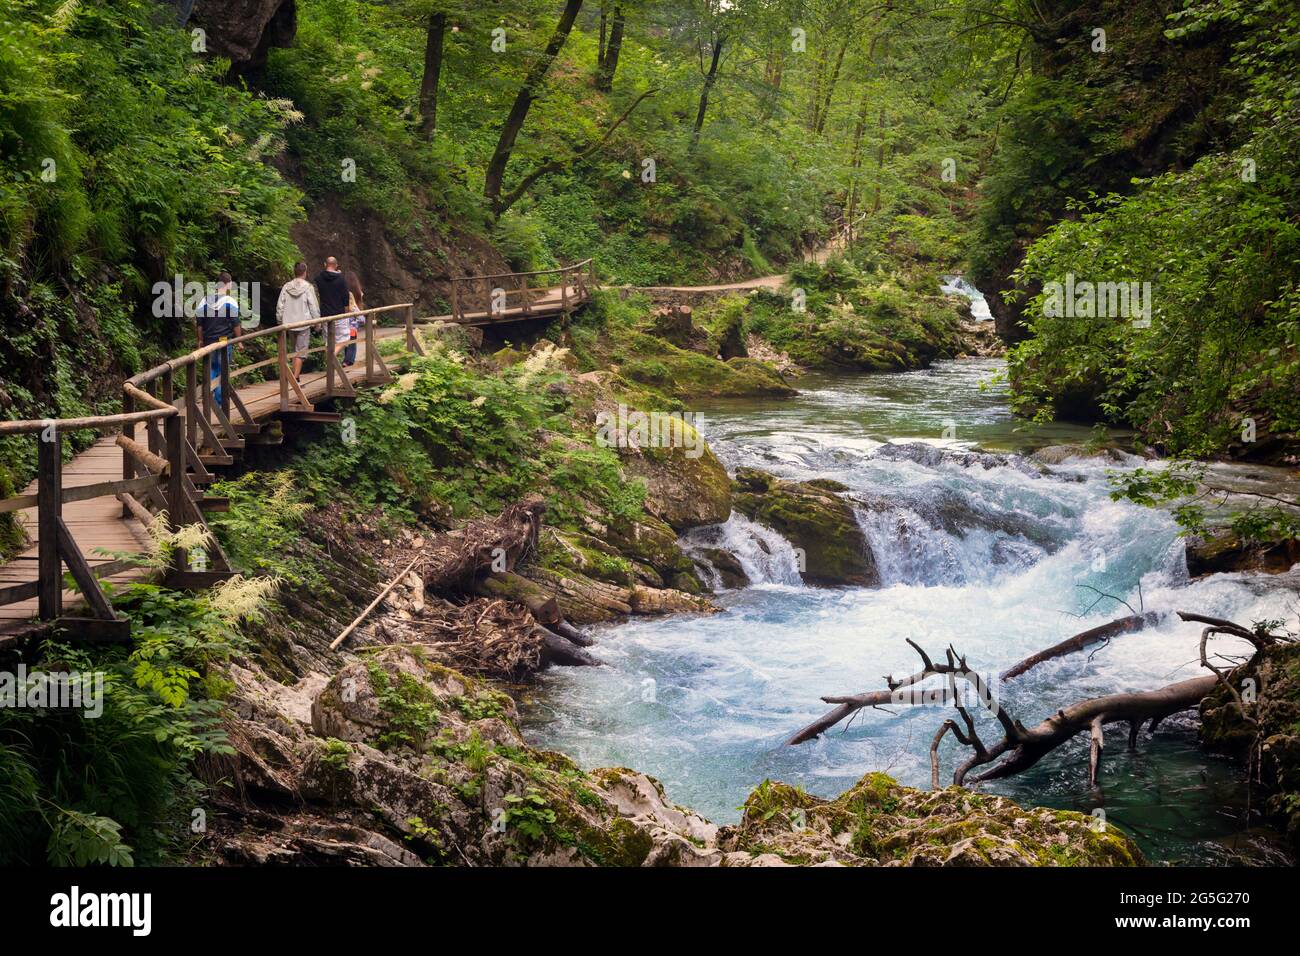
point(486, 635)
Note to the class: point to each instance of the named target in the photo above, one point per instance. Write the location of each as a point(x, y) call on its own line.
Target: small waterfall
point(762, 555)
point(910, 550)
point(979, 306)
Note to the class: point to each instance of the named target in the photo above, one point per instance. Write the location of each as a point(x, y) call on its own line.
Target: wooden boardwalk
point(132, 478)
point(96, 524)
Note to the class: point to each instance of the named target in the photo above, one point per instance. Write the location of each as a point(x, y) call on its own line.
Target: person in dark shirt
point(332, 291)
point(215, 320)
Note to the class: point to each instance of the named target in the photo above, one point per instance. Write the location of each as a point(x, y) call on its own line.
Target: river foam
point(981, 552)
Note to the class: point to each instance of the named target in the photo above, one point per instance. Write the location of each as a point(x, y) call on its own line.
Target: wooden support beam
point(136, 510)
point(81, 573)
point(186, 580)
point(177, 499)
point(153, 464)
point(49, 491)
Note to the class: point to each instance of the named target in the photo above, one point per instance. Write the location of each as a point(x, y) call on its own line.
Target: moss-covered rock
point(880, 823)
point(686, 485)
point(814, 518)
point(1224, 551)
point(683, 374)
point(1274, 679)
point(405, 762)
point(864, 322)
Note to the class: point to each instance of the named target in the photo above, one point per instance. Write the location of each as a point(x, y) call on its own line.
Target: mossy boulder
point(402, 761)
point(686, 485)
point(870, 323)
point(683, 374)
point(1274, 674)
point(1223, 551)
point(881, 823)
point(815, 518)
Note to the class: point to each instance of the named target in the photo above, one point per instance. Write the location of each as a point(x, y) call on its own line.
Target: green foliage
point(410, 707)
point(81, 839)
point(1199, 505)
point(529, 815)
point(1218, 244)
point(124, 152)
point(260, 530)
point(447, 439)
point(873, 319)
point(115, 787)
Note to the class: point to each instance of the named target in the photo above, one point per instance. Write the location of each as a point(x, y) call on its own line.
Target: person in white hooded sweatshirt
point(298, 303)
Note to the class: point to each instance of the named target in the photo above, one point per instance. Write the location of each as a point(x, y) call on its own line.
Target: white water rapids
point(985, 554)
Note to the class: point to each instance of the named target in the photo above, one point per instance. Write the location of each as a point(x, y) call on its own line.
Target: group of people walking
point(333, 293)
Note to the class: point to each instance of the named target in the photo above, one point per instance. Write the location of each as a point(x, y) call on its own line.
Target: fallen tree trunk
point(514, 587)
point(1021, 747)
point(1027, 746)
point(584, 600)
point(846, 706)
point(563, 653)
point(1123, 625)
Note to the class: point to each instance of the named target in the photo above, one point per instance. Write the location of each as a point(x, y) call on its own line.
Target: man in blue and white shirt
point(215, 320)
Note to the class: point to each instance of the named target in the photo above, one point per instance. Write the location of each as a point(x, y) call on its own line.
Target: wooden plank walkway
point(97, 524)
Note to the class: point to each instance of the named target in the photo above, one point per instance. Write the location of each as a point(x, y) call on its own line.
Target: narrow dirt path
point(818, 255)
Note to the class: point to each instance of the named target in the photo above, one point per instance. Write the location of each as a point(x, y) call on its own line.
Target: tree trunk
point(830, 89)
point(709, 80)
point(609, 58)
point(772, 73)
point(496, 168)
point(432, 68)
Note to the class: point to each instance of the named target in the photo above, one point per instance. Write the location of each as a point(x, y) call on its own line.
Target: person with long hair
point(356, 303)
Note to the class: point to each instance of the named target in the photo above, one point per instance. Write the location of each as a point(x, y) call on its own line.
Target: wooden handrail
point(515, 275)
point(190, 358)
point(97, 423)
point(162, 472)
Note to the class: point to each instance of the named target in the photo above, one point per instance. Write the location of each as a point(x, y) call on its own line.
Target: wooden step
point(311, 416)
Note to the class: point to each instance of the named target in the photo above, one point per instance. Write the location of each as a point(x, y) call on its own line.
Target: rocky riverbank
point(402, 746)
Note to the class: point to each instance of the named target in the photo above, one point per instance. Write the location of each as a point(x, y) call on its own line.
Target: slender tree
point(437, 25)
point(610, 50)
point(528, 92)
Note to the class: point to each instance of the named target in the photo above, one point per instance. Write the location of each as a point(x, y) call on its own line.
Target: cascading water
point(979, 306)
point(983, 551)
point(764, 556)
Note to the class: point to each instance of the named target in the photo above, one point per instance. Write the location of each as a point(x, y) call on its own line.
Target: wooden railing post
point(227, 356)
point(49, 508)
point(282, 368)
point(205, 388)
point(370, 348)
point(456, 313)
point(523, 289)
point(174, 439)
point(191, 406)
point(410, 329)
point(128, 430)
point(329, 356)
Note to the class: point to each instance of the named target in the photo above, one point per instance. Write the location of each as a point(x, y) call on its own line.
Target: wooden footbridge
point(92, 515)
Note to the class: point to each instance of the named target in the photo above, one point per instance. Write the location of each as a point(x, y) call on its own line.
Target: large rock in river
point(686, 485)
point(813, 517)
